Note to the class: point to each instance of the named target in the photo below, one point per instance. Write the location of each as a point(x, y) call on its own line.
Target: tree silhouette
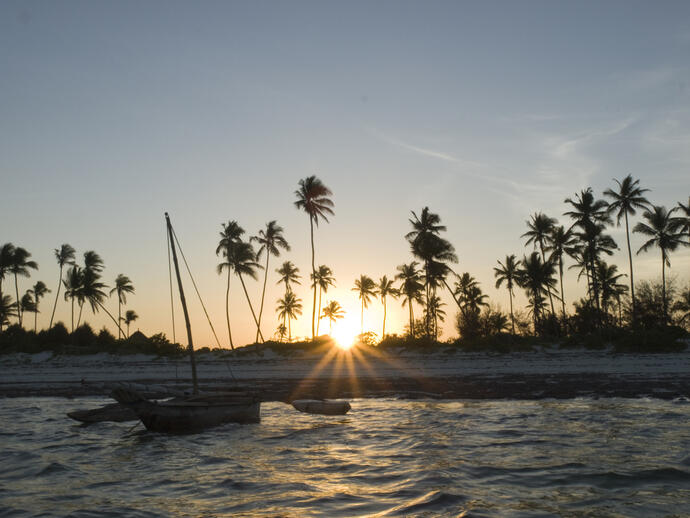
point(539, 233)
point(6, 253)
point(332, 311)
point(323, 278)
point(625, 201)
point(270, 241)
point(38, 291)
point(130, 316)
point(313, 198)
point(411, 288)
point(73, 285)
point(289, 273)
point(662, 229)
point(64, 255)
point(289, 307)
point(7, 309)
point(230, 234)
point(534, 277)
point(508, 272)
point(560, 242)
point(123, 285)
point(19, 265)
point(91, 274)
point(366, 289)
point(385, 289)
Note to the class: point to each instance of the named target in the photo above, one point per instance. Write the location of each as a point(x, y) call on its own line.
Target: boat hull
point(185, 415)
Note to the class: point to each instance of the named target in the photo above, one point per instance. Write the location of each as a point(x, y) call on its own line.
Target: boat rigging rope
point(172, 302)
point(195, 287)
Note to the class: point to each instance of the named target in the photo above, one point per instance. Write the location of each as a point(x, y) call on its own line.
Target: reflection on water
point(386, 458)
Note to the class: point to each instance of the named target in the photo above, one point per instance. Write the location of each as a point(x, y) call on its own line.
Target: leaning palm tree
point(20, 265)
point(130, 316)
point(64, 255)
point(92, 291)
point(508, 272)
point(289, 273)
point(385, 289)
point(93, 266)
point(241, 259)
point(230, 234)
point(73, 282)
point(332, 311)
point(539, 233)
point(289, 307)
point(662, 229)
point(38, 291)
point(7, 309)
point(625, 201)
point(123, 285)
point(366, 288)
point(313, 198)
point(323, 278)
point(411, 288)
point(270, 241)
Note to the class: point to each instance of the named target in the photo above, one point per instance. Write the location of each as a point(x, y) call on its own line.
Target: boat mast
point(184, 306)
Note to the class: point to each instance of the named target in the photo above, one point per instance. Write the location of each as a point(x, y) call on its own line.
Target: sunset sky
point(112, 113)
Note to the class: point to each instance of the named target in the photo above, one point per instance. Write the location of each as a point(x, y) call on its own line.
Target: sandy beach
point(550, 373)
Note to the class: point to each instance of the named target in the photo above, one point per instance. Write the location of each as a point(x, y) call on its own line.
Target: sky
point(112, 113)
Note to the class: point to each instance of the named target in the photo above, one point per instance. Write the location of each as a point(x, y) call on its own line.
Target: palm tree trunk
point(383, 333)
point(313, 271)
point(73, 314)
point(81, 308)
point(361, 321)
point(19, 308)
point(548, 289)
point(632, 279)
point(36, 316)
point(663, 285)
point(250, 305)
point(318, 320)
point(111, 317)
point(512, 319)
point(52, 315)
point(127, 330)
point(289, 322)
point(263, 294)
point(119, 316)
point(409, 303)
point(227, 310)
point(560, 271)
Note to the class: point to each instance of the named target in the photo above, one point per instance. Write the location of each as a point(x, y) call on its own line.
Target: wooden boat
point(112, 412)
point(191, 414)
point(196, 412)
point(322, 406)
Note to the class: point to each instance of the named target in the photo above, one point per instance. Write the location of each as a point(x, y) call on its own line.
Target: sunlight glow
point(345, 332)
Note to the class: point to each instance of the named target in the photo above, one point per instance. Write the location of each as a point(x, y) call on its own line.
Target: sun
point(345, 333)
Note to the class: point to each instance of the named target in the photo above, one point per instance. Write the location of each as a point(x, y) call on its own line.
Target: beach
point(548, 373)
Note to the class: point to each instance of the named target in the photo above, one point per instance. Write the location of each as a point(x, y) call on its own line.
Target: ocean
point(387, 457)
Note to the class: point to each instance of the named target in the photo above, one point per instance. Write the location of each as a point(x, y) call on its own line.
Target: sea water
point(387, 457)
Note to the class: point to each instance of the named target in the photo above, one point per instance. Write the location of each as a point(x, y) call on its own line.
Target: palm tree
point(608, 277)
point(7, 309)
point(27, 303)
point(93, 266)
point(64, 255)
point(281, 332)
point(289, 273)
point(427, 245)
point(560, 242)
point(534, 277)
point(73, 282)
point(508, 272)
point(20, 265)
point(628, 198)
point(270, 241)
point(366, 289)
point(130, 316)
point(313, 198)
point(123, 285)
point(469, 295)
point(386, 289)
point(539, 233)
point(38, 291)
point(436, 313)
point(240, 258)
point(332, 311)
point(590, 215)
point(289, 307)
point(662, 228)
point(323, 278)
point(411, 287)
point(6, 254)
point(92, 291)
point(230, 234)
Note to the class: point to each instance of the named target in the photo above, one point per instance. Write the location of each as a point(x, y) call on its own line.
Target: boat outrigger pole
point(184, 306)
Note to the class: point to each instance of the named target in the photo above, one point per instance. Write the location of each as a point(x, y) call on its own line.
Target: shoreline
point(545, 374)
